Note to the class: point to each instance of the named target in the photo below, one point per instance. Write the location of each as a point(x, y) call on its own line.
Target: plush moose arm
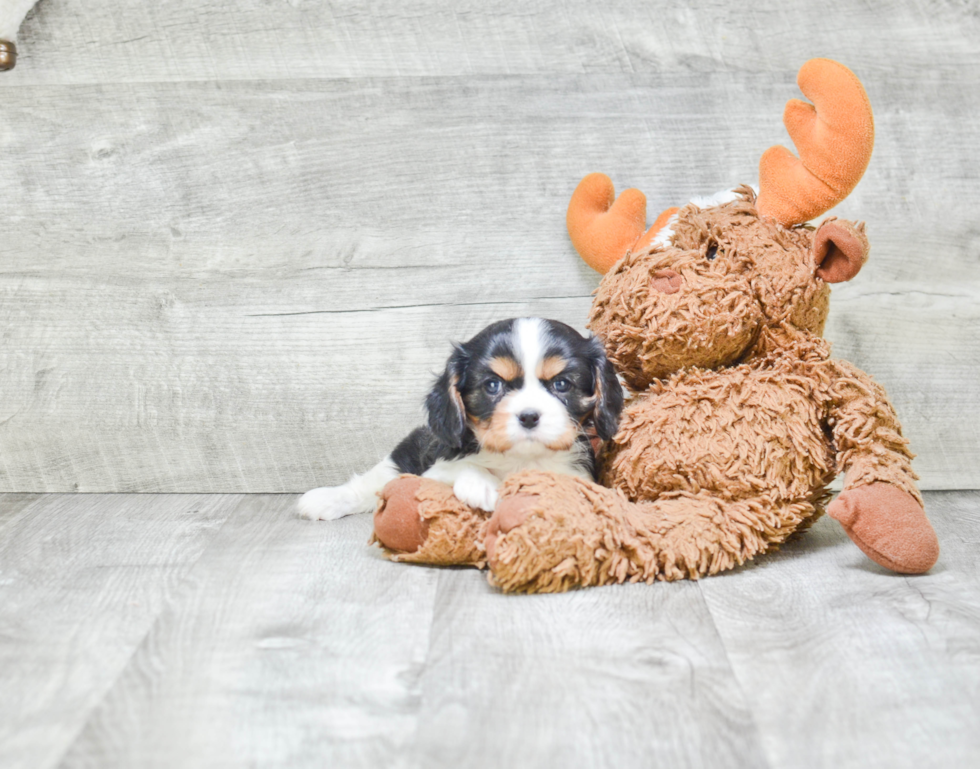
point(867, 434)
point(880, 507)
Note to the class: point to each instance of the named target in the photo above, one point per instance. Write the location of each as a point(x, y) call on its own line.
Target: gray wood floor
point(221, 630)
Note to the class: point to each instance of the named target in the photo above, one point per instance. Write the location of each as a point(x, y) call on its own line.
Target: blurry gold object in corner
point(8, 55)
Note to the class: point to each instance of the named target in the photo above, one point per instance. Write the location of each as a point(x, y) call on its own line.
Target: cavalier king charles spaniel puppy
point(522, 394)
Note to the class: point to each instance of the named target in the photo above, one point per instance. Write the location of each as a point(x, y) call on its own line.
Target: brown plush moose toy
point(739, 417)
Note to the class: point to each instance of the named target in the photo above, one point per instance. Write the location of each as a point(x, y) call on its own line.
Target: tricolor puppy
point(522, 394)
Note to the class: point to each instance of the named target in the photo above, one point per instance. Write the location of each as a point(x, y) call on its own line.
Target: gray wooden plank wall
point(235, 239)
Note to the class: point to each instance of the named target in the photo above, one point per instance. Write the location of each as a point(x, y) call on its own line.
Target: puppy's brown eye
point(492, 386)
point(712, 252)
point(561, 385)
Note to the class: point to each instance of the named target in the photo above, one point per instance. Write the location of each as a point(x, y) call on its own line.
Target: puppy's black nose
point(529, 419)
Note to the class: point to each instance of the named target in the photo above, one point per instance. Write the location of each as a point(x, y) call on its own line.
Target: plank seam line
point(414, 306)
point(745, 698)
point(426, 666)
point(150, 628)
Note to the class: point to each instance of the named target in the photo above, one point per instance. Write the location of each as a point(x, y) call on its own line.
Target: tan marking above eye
point(551, 367)
point(506, 368)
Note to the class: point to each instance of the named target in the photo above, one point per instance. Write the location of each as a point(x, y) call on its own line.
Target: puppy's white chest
point(502, 465)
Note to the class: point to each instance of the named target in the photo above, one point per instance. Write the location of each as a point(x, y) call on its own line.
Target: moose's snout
point(666, 281)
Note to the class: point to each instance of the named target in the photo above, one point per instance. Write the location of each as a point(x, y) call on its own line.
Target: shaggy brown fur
point(738, 422)
point(423, 522)
point(723, 451)
point(739, 417)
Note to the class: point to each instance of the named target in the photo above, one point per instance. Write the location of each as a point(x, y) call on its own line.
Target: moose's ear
point(840, 249)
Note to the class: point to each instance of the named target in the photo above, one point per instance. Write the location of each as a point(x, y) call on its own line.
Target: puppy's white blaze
point(358, 495)
point(532, 344)
point(531, 340)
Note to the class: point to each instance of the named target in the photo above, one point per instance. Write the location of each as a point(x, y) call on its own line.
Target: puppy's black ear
point(447, 414)
point(608, 392)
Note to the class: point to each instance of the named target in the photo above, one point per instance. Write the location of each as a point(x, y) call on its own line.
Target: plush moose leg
point(880, 507)
point(551, 533)
point(421, 521)
point(889, 525)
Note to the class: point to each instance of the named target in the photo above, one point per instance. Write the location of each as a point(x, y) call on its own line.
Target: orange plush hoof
point(421, 521)
point(889, 526)
point(397, 523)
point(511, 512)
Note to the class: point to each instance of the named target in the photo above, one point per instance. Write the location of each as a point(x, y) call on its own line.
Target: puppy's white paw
point(329, 504)
point(476, 491)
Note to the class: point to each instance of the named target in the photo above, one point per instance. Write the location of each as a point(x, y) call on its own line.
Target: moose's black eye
point(712, 252)
point(492, 386)
point(561, 385)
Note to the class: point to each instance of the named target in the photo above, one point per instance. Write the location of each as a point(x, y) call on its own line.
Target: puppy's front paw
point(329, 504)
point(476, 491)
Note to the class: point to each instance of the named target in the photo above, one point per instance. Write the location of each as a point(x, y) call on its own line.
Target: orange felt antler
point(603, 227)
point(834, 137)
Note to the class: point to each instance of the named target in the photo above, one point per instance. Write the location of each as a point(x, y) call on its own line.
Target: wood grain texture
point(847, 665)
point(82, 579)
point(632, 676)
point(226, 269)
point(175, 630)
point(73, 41)
point(235, 237)
point(297, 646)
point(11, 505)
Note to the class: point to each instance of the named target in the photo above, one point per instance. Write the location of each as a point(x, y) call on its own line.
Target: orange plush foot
point(421, 521)
point(398, 527)
point(889, 525)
